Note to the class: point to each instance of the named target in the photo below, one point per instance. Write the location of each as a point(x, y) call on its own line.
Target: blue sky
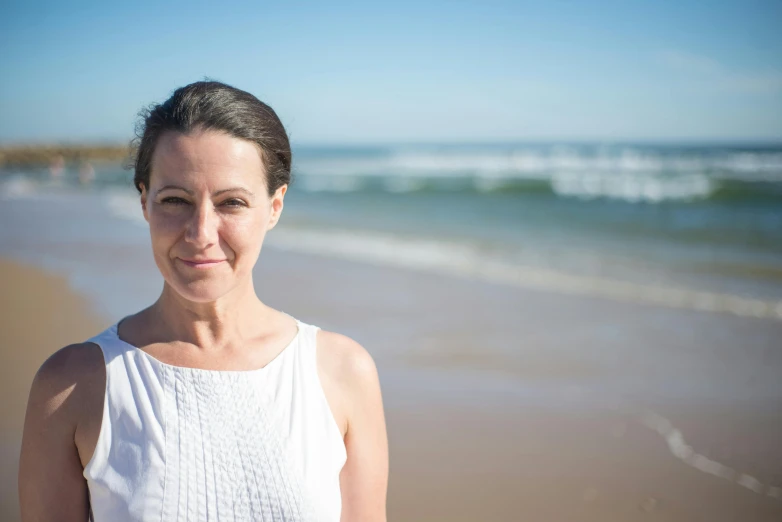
point(354, 72)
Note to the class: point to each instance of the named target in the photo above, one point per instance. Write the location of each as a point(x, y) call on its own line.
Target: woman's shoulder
point(349, 378)
point(71, 374)
point(65, 405)
point(344, 358)
point(71, 363)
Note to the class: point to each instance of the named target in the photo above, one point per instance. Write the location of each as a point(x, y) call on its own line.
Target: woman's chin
point(201, 291)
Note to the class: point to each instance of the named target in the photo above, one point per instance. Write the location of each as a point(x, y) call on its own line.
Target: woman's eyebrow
point(174, 187)
point(217, 193)
point(233, 189)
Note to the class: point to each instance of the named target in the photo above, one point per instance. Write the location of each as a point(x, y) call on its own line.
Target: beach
point(473, 433)
point(542, 356)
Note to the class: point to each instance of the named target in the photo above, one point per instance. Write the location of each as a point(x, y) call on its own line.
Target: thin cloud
point(722, 77)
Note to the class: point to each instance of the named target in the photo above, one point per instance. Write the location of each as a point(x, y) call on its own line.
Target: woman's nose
point(202, 226)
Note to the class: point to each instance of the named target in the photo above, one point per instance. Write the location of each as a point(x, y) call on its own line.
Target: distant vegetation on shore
point(45, 155)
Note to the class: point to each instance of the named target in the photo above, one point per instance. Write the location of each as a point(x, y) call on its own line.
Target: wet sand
point(468, 373)
point(498, 409)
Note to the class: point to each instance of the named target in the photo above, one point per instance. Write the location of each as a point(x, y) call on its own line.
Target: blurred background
point(557, 227)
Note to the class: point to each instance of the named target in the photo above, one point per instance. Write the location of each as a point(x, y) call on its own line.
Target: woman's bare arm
point(364, 478)
point(51, 484)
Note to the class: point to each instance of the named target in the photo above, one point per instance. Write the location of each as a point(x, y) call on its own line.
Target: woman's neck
point(217, 324)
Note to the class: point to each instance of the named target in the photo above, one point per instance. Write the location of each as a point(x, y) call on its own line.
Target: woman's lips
point(201, 263)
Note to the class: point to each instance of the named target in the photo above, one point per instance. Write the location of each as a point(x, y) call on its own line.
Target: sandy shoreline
point(40, 314)
point(461, 447)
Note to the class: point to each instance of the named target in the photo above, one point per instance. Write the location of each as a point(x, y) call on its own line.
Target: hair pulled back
point(210, 105)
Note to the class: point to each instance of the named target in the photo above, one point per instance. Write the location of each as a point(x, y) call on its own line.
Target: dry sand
point(40, 314)
point(486, 458)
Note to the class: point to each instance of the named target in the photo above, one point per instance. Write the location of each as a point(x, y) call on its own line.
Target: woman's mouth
point(201, 263)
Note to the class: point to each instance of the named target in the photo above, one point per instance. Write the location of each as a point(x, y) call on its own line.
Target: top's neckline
point(114, 330)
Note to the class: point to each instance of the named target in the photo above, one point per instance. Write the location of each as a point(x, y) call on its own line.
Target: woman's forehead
point(204, 156)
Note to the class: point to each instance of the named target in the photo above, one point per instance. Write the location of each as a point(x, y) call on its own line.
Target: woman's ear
point(144, 201)
point(277, 204)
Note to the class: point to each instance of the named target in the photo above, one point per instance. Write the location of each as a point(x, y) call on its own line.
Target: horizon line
point(648, 141)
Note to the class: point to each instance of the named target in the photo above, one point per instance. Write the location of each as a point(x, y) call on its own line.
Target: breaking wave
point(649, 175)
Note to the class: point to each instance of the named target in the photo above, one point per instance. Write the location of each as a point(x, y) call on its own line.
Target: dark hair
point(210, 105)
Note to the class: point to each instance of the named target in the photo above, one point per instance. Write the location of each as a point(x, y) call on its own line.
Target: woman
point(209, 404)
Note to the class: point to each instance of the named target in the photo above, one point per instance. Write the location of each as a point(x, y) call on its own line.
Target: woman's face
point(208, 211)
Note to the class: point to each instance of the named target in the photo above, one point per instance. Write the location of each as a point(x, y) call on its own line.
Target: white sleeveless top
point(184, 444)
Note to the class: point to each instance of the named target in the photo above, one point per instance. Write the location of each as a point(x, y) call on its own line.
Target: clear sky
point(348, 72)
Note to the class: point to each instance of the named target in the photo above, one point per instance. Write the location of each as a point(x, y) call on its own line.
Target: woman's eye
point(234, 203)
point(174, 201)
